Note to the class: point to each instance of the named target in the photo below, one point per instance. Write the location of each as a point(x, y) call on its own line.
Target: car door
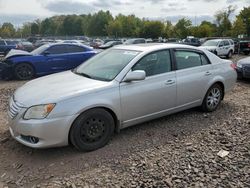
point(220, 49)
point(77, 55)
point(149, 97)
point(56, 58)
point(226, 47)
point(193, 74)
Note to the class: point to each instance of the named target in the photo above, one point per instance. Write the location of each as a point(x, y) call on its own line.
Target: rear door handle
point(169, 82)
point(208, 73)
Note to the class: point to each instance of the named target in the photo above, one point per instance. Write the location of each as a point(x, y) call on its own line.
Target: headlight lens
point(39, 111)
point(239, 65)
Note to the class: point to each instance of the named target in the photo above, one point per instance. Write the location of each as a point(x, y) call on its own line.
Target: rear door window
point(58, 49)
point(75, 49)
point(226, 43)
point(188, 59)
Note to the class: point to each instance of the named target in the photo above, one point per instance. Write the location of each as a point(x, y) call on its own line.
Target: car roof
point(153, 46)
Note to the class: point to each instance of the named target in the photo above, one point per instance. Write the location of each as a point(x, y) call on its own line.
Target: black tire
point(212, 98)
point(246, 53)
point(215, 52)
point(93, 129)
point(230, 54)
point(24, 71)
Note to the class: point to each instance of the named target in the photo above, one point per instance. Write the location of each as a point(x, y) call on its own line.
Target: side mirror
point(135, 76)
point(46, 53)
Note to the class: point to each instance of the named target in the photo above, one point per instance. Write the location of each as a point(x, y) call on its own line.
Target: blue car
point(47, 59)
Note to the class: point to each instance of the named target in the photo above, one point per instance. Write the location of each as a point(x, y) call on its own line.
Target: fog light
point(31, 139)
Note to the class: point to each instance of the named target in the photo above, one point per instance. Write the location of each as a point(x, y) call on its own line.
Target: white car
point(220, 47)
point(117, 88)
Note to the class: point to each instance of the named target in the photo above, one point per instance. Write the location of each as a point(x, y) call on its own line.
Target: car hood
point(244, 61)
point(56, 87)
point(15, 53)
point(210, 48)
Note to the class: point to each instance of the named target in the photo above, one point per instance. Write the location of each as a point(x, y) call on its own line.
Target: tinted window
point(59, 49)
point(185, 59)
point(2, 42)
point(226, 43)
point(231, 42)
point(155, 63)
point(204, 60)
point(75, 49)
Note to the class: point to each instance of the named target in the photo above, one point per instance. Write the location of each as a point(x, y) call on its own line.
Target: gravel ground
point(179, 150)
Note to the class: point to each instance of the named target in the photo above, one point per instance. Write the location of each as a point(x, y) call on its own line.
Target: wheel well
point(117, 124)
point(28, 64)
point(222, 87)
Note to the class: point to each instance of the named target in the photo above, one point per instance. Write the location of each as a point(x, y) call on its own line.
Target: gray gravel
point(179, 150)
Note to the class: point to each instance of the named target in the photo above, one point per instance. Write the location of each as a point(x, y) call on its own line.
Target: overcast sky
point(20, 11)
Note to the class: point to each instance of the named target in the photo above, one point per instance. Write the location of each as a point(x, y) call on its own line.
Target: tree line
point(103, 23)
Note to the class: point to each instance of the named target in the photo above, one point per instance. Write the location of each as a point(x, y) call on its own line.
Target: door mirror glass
point(135, 76)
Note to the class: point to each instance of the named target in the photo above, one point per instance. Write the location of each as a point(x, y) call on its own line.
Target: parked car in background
point(6, 46)
point(47, 59)
point(96, 43)
point(135, 41)
point(242, 46)
point(220, 47)
point(243, 68)
point(172, 40)
point(110, 44)
point(118, 88)
point(191, 41)
point(26, 46)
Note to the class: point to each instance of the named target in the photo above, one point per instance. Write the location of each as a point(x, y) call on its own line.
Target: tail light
point(233, 65)
point(248, 45)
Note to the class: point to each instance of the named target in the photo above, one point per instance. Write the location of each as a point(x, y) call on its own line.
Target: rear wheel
point(24, 71)
point(92, 130)
point(213, 98)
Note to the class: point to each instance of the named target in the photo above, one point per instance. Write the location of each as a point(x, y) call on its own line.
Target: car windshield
point(106, 65)
point(40, 50)
point(210, 43)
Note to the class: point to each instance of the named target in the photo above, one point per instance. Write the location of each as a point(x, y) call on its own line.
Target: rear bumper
point(243, 72)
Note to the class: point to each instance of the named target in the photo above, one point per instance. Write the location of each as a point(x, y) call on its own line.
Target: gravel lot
point(179, 150)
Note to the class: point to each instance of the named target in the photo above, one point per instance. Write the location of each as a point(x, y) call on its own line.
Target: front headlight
point(239, 65)
point(39, 111)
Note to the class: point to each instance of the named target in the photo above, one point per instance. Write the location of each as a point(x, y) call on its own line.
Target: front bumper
point(243, 72)
point(6, 71)
point(49, 132)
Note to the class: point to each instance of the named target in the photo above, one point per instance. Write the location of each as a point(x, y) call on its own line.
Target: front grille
point(14, 108)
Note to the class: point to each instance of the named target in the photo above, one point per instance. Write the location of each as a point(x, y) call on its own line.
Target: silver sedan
point(117, 88)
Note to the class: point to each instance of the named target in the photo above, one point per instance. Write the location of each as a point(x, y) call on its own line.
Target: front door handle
point(208, 73)
point(169, 82)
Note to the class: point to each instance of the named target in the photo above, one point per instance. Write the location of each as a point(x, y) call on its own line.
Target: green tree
point(182, 28)
point(7, 30)
point(239, 28)
point(245, 18)
point(98, 23)
point(152, 29)
point(223, 21)
point(169, 30)
point(34, 28)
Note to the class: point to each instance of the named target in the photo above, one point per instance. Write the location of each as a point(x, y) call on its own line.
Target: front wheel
point(212, 98)
point(24, 71)
point(92, 130)
point(230, 54)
